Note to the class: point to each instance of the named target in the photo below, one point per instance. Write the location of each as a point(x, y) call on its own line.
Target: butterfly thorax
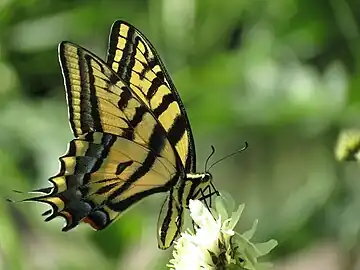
point(199, 181)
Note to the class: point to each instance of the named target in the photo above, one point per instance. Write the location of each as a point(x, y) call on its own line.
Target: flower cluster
point(214, 244)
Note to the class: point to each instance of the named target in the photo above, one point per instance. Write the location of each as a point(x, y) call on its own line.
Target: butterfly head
point(206, 178)
point(206, 186)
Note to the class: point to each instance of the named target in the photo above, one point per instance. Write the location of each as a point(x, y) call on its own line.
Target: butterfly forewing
point(136, 62)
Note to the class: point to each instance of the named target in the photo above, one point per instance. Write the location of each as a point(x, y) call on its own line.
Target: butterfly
point(132, 138)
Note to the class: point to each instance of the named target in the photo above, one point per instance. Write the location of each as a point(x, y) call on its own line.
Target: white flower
point(215, 245)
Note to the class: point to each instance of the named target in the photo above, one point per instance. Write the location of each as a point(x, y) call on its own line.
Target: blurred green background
point(283, 75)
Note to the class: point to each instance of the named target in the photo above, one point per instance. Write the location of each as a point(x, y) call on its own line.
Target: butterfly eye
point(206, 178)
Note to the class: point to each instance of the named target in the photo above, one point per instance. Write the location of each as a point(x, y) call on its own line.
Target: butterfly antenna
point(230, 155)
point(211, 154)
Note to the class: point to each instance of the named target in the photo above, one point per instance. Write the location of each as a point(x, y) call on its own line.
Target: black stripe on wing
point(134, 59)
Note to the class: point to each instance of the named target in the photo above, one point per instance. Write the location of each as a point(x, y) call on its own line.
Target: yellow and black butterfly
point(132, 138)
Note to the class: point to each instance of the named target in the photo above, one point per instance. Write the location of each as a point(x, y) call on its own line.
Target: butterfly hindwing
point(171, 217)
point(170, 221)
point(136, 62)
point(96, 180)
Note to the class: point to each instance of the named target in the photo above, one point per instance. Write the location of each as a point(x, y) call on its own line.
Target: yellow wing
point(170, 221)
point(348, 145)
point(136, 62)
point(171, 217)
point(121, 153)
